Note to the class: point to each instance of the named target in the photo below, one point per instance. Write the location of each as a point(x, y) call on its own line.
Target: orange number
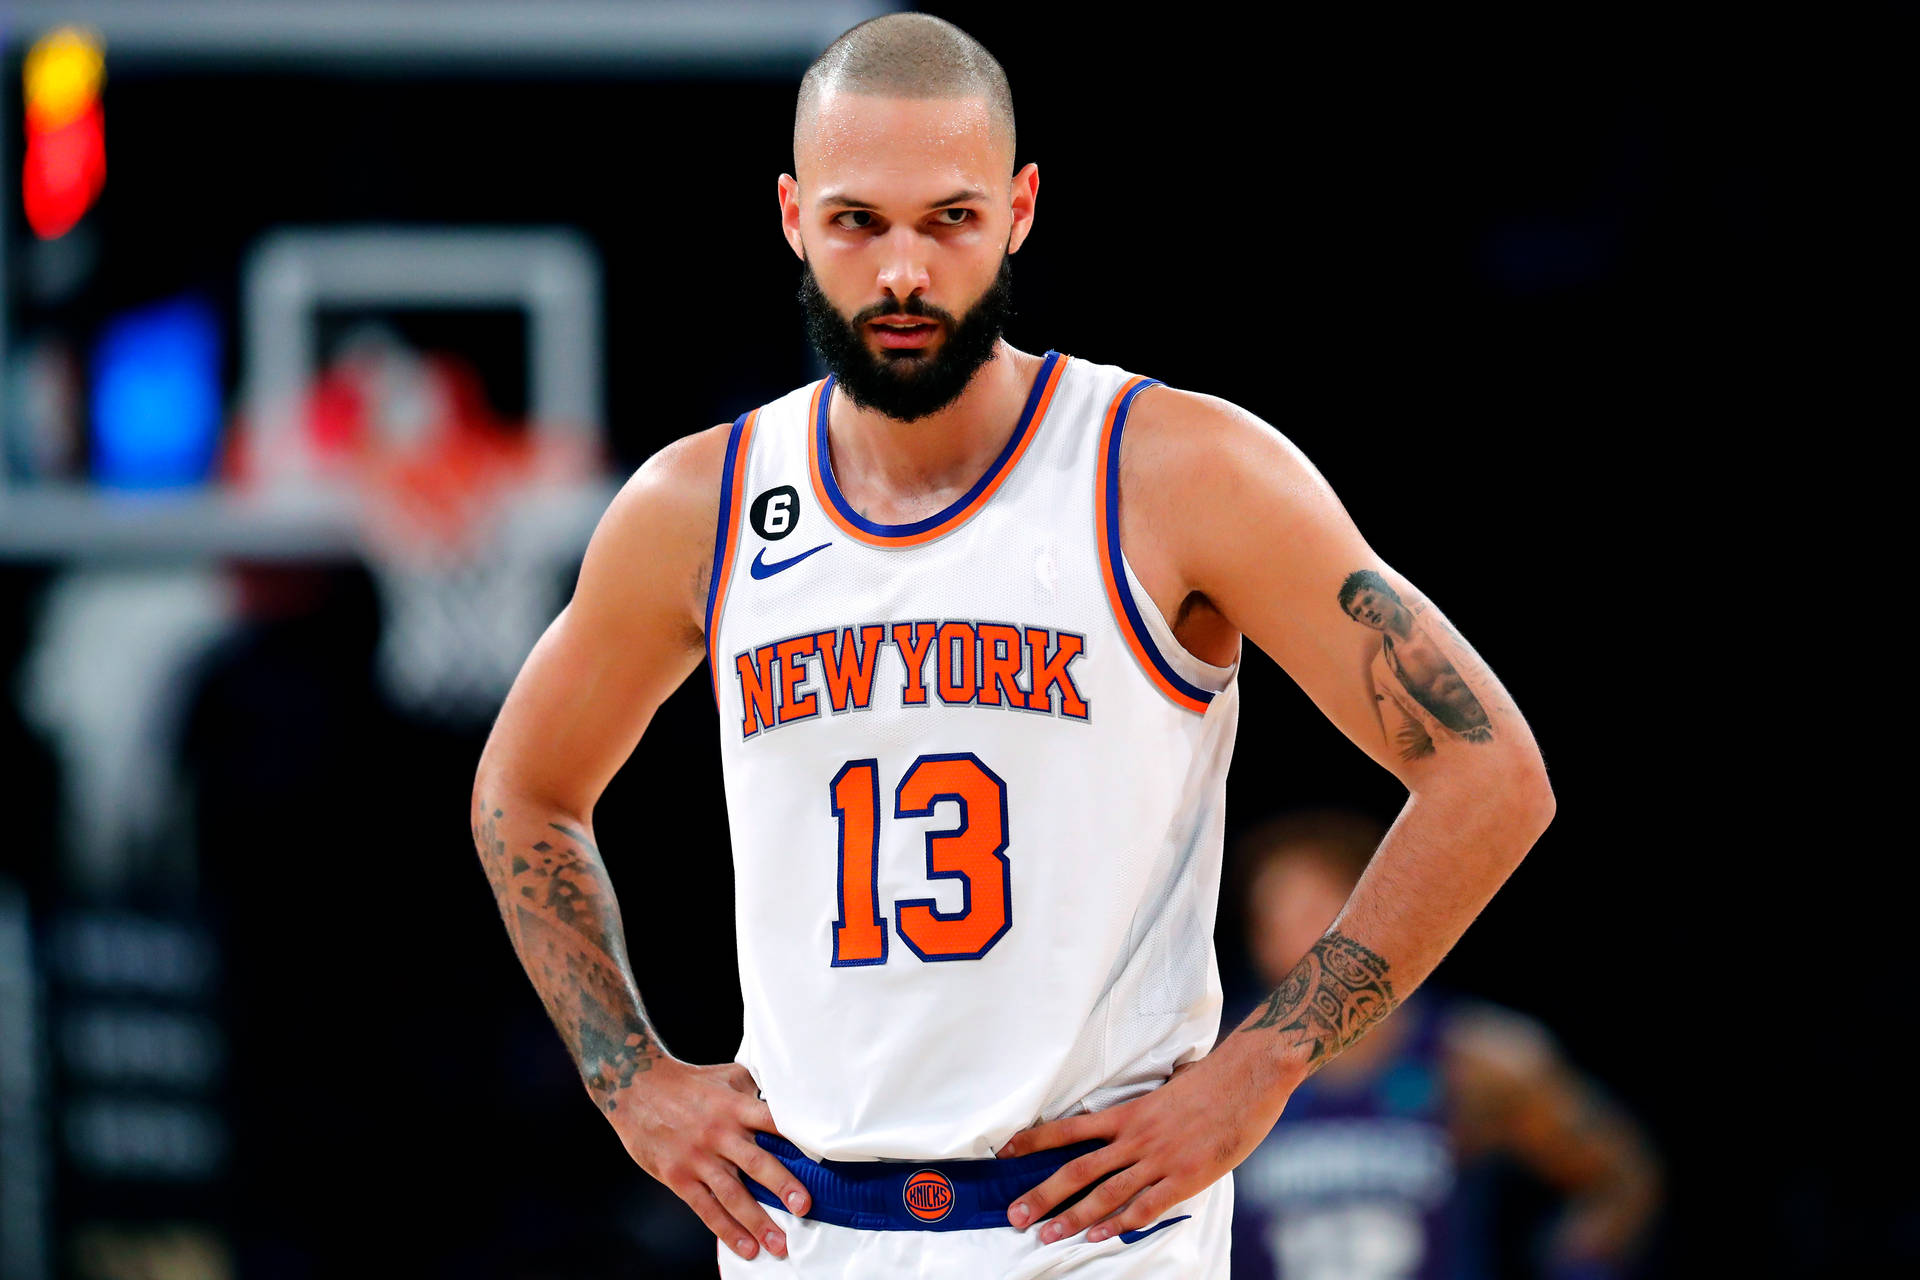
point(973, 852)
point(859, 934)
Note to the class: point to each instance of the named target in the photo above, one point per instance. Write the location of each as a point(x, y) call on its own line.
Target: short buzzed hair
point(908, 55)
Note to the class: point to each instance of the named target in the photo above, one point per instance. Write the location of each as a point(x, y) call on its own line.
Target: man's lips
point(903, 332)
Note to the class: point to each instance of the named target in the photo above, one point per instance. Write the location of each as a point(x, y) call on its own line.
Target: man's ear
point(1026, 196)
point(790, 214)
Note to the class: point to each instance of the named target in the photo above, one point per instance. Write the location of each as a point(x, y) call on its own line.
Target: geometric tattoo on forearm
point(1331, 998)
point(558, 905)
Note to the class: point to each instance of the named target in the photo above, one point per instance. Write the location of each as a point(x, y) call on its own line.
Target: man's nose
point(903, 267)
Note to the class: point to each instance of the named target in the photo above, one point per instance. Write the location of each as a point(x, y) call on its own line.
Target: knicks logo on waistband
point(929, 1195)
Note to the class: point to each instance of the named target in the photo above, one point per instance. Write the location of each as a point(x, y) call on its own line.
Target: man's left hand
point(1162, 1147)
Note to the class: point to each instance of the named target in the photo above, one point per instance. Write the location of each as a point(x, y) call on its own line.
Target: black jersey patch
point(775, 513)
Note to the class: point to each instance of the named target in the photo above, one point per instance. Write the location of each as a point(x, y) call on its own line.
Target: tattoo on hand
point(1412, 673)
point(563, 919)
point(1331, 999)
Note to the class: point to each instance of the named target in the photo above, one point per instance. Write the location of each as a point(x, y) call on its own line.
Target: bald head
point(906, 55)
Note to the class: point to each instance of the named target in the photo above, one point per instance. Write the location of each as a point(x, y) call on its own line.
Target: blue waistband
point(897, 1195)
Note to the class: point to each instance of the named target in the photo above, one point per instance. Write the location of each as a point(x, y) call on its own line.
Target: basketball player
point(1363, 1177)
point(974, 618)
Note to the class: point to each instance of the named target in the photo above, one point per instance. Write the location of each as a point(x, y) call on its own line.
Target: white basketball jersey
point(975, 786)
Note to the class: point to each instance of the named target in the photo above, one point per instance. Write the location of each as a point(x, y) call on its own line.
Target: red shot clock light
point(66, 161)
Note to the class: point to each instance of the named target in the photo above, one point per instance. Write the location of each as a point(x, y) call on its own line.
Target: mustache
point(912, 305)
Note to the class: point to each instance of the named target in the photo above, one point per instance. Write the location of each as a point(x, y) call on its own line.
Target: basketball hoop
point(463, 598)
point(468, 522)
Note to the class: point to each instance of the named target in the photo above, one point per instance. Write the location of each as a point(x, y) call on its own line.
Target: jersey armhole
point(726, 536)
point(1152, 642)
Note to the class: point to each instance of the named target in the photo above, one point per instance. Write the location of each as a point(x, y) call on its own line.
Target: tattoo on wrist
point(1331, 999)
point(563, 919)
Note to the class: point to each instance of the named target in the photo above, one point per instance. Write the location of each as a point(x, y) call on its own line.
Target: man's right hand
point(581, 702)
point(692, 1128)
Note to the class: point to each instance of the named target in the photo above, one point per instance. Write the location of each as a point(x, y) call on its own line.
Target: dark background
point(1518, 292)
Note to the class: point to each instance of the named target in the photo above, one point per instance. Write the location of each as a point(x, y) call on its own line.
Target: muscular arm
point(630, 635)
point(1514, 1092)
point(1235, 523)
point(1232, 532)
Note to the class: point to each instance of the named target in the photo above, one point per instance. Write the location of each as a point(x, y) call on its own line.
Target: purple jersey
point(1356, 1180)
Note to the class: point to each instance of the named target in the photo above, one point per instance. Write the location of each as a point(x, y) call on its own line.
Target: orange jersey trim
point(1106, 523)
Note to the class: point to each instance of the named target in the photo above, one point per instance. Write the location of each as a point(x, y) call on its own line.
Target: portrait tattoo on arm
point(1329, 1000)
point(1412, 672)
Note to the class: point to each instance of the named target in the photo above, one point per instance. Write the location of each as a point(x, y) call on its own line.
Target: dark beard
point(907, 385)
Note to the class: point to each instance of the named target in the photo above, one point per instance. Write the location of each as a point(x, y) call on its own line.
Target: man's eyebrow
point(836, 200)
point(959, 197)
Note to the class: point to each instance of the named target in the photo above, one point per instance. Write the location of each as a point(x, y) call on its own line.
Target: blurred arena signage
point(139, 1056)
point(112, 1068)
point(66, 163)
point(664, 35)
point(23, 1164)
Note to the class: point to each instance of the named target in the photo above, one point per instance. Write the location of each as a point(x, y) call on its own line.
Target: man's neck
point(890, 469)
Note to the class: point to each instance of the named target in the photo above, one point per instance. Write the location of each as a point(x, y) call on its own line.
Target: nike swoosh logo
point(761, 569)
point(1134, 1237)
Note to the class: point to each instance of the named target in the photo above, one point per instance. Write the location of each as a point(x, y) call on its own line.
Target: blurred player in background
point(1361, 1179)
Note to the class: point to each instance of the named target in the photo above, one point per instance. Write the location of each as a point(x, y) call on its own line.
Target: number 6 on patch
point(974, 853)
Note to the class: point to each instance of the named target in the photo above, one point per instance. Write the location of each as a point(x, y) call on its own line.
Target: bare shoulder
point(683, 477)
point(1207, 479)
point(656, 536)
point(1176, 437)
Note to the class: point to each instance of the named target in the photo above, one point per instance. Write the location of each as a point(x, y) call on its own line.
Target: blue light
point(156, 396)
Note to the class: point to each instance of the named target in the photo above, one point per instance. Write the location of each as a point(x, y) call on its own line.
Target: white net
point(454, 632)
point(466, 590)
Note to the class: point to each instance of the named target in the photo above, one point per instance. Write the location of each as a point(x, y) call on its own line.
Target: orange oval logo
point(929, 1195)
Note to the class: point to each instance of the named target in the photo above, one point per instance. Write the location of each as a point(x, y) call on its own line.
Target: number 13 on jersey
point(974, 853)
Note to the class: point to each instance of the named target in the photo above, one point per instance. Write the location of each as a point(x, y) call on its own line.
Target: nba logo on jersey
point(929, 1195)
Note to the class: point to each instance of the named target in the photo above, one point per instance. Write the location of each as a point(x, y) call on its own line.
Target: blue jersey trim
point(959, 504)
point(724, 530)
point(1135, 1237)
point(1116, 566)
point(725, 523)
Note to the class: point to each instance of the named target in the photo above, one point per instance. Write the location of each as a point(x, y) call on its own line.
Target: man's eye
point(954, 217)
point(864, 216)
